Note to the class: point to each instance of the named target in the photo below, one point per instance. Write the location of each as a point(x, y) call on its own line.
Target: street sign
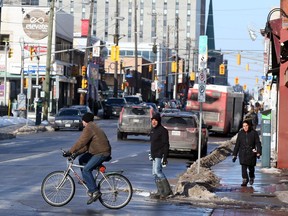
point(203, 53)
point(80, 90)
point(36, 86)
point(202, 76)
point(201, 93)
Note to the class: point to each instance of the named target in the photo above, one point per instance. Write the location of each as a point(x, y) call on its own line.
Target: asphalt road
point(27, 159)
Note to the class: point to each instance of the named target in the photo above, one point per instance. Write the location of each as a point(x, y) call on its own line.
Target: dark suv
point(113, 107)
point(134, 120)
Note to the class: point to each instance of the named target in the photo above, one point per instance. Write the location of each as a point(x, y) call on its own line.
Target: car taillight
point(121, 115)
point(191, 130)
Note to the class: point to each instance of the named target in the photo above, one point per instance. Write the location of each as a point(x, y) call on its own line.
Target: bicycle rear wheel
point(57, 190)
point(116, 191)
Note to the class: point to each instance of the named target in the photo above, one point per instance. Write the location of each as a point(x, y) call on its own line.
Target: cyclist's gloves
point(67, 154)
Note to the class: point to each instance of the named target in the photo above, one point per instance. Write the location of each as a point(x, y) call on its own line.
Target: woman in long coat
point(248, 146)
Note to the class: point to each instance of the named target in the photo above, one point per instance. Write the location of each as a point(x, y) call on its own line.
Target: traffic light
point(32, 50)
point(114, 53)
point(192, 76)
point(173, 66)
point(236, 80)
point(238, 59)
point(10, 53)
point(247, 67)
point(222, 69)
point(83, 71)
point(154, 48)
point(25, 83)
point(150, 68)
point(84, 84)
point(244, 87)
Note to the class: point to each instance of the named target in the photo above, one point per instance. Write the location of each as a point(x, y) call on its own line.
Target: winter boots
point(244, 182)
point(251, 181)
point(160, 190)
point(163, 189)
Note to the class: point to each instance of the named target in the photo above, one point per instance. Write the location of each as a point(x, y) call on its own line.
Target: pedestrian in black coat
point(159, 150)
point(248, 146)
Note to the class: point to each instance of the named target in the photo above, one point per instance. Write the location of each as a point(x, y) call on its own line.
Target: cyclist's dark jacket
point(159, 138)
point(92, 139)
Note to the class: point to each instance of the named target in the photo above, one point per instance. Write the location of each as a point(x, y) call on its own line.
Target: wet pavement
point(267, 196)
point(269, 191)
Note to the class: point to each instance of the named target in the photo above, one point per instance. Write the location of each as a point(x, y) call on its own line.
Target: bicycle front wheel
point(56, 189)
point(116, 191)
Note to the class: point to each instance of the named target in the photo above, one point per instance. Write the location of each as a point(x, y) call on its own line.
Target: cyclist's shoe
point(94, 197)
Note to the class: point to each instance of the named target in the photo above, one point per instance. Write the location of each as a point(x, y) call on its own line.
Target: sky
point(232, 19)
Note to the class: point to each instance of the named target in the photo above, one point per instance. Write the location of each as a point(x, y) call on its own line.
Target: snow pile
point(201, 185)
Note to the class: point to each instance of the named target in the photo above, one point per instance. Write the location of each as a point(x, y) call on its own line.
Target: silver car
point(134, 120)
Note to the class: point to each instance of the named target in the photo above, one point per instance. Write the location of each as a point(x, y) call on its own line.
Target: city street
point(27, 159)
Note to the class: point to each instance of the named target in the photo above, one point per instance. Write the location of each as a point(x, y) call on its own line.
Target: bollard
point(266, 138)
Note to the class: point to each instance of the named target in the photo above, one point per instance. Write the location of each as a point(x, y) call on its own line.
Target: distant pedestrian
point(159, 138)
point(248, 146)
point(252, 116)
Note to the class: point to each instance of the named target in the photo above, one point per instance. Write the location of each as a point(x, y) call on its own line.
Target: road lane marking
point(29, 157)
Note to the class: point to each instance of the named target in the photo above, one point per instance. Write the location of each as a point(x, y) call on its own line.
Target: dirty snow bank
point(201, 185)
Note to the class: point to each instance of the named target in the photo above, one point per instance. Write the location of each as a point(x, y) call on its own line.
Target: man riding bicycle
point(95, 145)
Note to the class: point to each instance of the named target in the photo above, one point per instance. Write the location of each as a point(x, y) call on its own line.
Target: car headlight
point(58, 121)
point(76, 121)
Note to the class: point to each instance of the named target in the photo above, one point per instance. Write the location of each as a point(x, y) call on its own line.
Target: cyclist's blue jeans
point(157, 169)
point(90, 161)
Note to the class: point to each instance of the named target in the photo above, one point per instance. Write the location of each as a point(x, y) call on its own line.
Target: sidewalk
point(269, 191)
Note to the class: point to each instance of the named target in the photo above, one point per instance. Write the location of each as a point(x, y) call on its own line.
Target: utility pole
point(87, 52)
point(177, 58)
point(167, 64)
point(116, 42)
point(5, 76)
point(136, 48)
point(48, 61)
point(187, 80)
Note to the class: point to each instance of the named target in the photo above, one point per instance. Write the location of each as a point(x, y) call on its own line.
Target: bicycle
point(58, 187)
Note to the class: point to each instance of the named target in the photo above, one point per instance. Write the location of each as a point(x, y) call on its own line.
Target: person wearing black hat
point(95, 145)
point(159, 150)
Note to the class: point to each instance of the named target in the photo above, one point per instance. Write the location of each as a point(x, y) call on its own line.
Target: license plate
point(176, 133)
point(136, 120)
point(67, 125)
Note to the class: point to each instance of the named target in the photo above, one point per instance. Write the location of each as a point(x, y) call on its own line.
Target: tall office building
point(159, 20)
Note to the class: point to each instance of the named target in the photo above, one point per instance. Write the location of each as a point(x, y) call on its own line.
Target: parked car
point(153, 105)
point(83, 108)
point(134, 120)
point(134, 99)
point(68, 118)
point(183, 128)
point(170, 110)
point(113, 107)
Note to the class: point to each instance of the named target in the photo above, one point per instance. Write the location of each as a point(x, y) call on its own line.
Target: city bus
point(222, 109)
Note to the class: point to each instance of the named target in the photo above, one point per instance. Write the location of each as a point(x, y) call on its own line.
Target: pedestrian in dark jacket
point(95, 145)
point(248, 146)
point(159, 138)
